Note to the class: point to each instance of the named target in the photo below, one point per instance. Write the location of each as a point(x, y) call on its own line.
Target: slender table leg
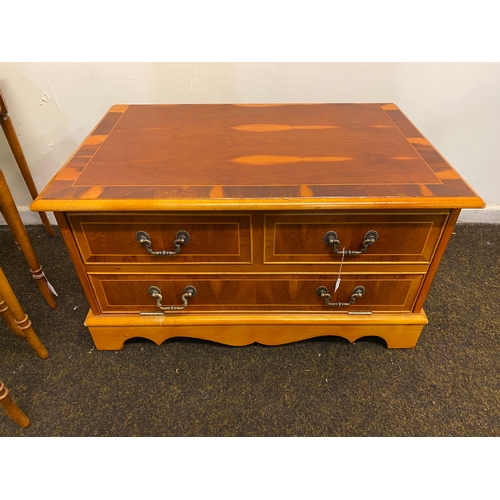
point(11, 408)
point(9, 319)
point(20, 318)
point(13, 219)
point(17, 151)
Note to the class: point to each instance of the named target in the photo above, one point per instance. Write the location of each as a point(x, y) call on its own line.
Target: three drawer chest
point(268, 223)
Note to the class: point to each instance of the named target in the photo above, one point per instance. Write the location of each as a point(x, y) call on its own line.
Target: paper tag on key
point(337, 284)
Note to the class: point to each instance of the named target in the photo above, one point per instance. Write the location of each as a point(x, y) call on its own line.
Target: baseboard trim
point(30, 218)
point(488, 215)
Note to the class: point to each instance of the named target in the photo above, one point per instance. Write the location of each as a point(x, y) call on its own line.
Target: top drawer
point(400, 237)
point(211, 238)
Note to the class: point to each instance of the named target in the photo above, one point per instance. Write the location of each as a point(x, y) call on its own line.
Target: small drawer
point(321, 238)
point(119, 293)
point(163, 239)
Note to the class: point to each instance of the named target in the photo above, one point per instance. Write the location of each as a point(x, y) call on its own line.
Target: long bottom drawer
point(123, 293)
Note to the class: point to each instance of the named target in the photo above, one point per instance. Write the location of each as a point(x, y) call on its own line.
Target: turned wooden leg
point(11, 408)
point(20, 318)
point(17, 151)
point(9, 319)
point(13, 219)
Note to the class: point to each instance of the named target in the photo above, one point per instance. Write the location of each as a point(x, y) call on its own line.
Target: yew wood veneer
point(256, 223)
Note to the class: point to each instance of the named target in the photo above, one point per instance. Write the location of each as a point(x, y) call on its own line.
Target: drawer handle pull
point(181, 238)
point(155, 292)
point(330, 238)
point(322, 293)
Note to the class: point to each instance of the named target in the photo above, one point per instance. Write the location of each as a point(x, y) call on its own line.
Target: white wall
point(53, 106)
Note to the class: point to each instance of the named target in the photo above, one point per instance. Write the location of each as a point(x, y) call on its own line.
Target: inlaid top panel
point(143, 157)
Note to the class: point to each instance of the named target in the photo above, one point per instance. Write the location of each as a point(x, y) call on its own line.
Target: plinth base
point(110, 331)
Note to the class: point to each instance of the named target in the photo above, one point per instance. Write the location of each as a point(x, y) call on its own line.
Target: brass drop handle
point(181, 238)
point(155, 292)
point(330, 238)
point(322, 293)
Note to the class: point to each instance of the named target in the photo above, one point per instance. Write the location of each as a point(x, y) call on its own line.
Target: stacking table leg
point(13, 219)
point(11, 408)
point(18, 318)
point(9, 319)
point(17, 151)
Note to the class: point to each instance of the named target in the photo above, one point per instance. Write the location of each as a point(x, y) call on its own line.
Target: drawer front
point(212, 238)
point(129, 293)
point(401, 237)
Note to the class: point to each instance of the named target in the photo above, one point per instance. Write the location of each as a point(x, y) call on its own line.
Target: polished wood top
point(255, 156)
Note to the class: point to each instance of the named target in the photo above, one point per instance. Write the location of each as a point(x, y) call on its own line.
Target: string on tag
point(39, 274)
point(337, 284)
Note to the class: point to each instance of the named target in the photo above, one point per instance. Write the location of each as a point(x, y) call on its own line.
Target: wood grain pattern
point(148, 157)
point(256, 160)
point(402, 237)
point(274, 127)
point(214, 238)
point(128, 293)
